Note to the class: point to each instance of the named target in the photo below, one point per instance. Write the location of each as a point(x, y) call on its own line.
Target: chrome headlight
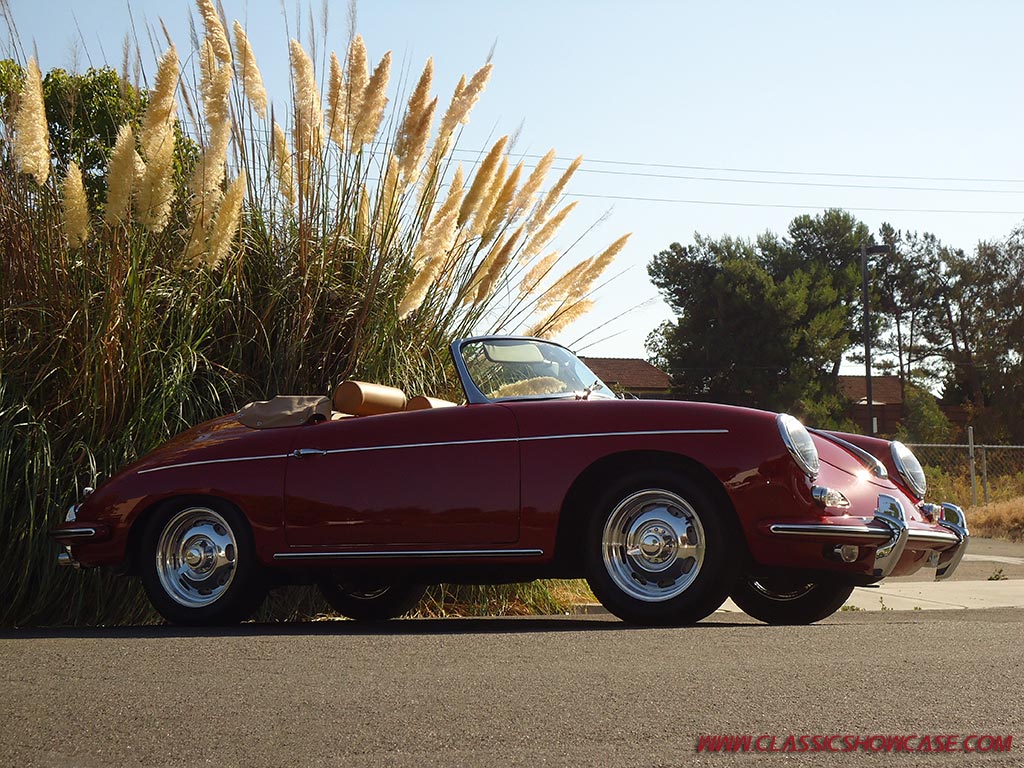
point(909, 467)
point(800, 444)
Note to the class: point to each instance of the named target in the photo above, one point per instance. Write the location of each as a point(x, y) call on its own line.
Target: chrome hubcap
point(196, 557)
point(653, 545)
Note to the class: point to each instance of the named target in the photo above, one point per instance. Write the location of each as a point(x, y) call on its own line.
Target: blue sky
point(838, 95)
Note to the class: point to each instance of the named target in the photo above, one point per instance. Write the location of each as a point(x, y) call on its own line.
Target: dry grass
point(543, 597)
point(999, 520)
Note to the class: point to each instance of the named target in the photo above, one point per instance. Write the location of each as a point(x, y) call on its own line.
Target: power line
point(803, 183)
point(768, 171)
point(784, 205)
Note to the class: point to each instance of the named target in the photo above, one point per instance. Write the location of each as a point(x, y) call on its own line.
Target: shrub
point(224, 257)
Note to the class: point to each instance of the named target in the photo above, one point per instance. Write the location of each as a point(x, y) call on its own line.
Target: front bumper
point(71, 533)
point(892, 535)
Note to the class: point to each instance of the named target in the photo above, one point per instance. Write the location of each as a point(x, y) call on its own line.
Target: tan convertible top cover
point(284, 411)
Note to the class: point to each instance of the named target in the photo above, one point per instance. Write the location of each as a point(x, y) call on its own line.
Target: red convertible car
point(667, 508)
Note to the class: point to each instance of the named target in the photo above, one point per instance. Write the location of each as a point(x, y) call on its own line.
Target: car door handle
point(298, 453)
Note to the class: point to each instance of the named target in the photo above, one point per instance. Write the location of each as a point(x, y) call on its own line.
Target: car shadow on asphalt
point(449, 626)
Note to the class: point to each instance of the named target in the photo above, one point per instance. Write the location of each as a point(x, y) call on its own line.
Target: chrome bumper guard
point(890, 514)
point(953, 519)
point(889, 527)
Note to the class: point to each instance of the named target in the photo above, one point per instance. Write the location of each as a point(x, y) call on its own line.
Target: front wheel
point(658, 550)
point(786, 599)
point(376, 603)
point(199, 566)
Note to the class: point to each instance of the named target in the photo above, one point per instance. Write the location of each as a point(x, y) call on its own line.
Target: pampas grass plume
point(414, 132)
point(482, 214)
point(605, 258)
point(283, 164)
point(215, 31)
point(75, 206)
point(501, 210)
point(31, 133)
point(482, 180)
point(309, 116)
point(225, 225)
point(156, 187)
point(252, 80)
point(544, 235)
point(561, 319)
point(336, 103)
point(537, 273)
point(121, 172)
point(551, 198)
point(358, 71)
point(524, 199)
point(497, 266)
point(163, 102)
point(375, 99)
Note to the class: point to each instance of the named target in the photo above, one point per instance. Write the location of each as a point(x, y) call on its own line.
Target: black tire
point(789, 599)
point(198, 564)
point(379, 603)
point(666, 582)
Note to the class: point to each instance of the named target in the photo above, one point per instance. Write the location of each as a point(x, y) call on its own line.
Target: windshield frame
point(475, 396)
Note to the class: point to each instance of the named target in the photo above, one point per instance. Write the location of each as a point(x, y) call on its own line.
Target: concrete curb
point(908, 596)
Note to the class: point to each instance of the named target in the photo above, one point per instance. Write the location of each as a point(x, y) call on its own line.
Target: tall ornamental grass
point(241, 249)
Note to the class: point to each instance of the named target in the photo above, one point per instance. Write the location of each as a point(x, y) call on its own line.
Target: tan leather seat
point(361, 398)
point(422, 403)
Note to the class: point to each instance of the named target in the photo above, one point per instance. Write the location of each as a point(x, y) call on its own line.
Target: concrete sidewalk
point(931, 596)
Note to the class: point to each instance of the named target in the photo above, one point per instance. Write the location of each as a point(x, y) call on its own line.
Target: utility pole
point(865, 251)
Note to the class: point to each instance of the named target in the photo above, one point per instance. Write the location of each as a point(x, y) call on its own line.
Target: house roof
point(630, 373)
point(885, 390)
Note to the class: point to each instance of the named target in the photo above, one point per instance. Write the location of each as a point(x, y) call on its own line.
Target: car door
point(437, 477)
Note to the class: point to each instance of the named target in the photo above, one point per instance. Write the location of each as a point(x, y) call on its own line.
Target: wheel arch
point(151, 507)
point(586, 488)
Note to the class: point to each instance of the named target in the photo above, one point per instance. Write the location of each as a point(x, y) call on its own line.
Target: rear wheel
point(790, 598)
point(199, 564)
point(658, 550)
point(371, 603)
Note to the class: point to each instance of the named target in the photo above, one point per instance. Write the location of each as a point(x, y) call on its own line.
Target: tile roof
point(630, 373)
point(884, 389)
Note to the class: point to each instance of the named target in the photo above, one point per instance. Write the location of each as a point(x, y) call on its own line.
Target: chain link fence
point(972, 473)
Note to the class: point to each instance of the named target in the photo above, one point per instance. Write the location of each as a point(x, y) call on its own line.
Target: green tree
point(766, 323)
point(923, 419)
point(905, 288)
point(975, 331)
point(83, 112)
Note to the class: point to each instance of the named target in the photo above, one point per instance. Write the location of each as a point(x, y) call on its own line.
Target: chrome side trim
point(399, 446)
point(819, 530)
point(73, 533)
point(582, 435)
point(213, 461)
point(628, 434)
point(417, 553)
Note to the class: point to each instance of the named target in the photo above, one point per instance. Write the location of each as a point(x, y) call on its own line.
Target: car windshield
point(508, 368)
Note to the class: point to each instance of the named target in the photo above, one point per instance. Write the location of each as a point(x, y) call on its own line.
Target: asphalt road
point(550, 691)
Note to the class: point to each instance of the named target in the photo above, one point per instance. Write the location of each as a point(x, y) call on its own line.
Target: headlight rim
point(785, 422)
point(919, 488)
